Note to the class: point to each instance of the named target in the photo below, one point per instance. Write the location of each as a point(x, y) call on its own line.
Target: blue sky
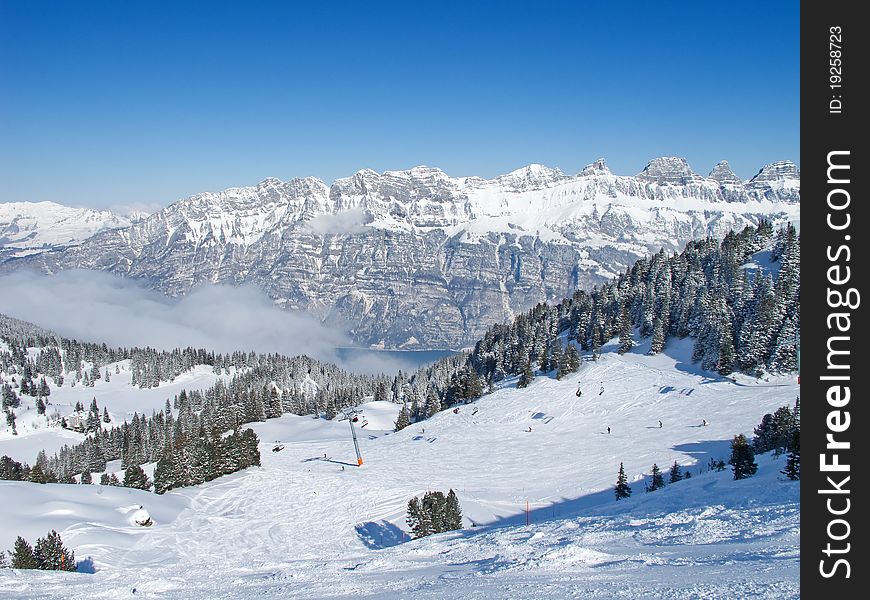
point(116, 103)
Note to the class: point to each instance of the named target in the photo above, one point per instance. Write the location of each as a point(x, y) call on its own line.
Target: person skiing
point(529, 430)
point(456, 411)
point(578, 393)
point(703, 422)
point(601, 391)
point(660, 424)
point(608, 430)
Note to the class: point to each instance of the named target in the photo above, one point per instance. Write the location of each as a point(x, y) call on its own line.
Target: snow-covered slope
point(28, 227)
point(305, 526)
point(419, 254)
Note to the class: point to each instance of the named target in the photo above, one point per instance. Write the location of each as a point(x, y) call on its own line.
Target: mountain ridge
point(420, 255)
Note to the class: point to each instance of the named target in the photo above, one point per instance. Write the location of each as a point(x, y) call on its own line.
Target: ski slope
point(310, 524)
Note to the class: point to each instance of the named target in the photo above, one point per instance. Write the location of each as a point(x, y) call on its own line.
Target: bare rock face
point(420, 255)
point(669, 170)
point(724, 175)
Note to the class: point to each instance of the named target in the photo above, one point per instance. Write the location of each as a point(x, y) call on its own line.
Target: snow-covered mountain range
point(420, 258)
point(28, 227)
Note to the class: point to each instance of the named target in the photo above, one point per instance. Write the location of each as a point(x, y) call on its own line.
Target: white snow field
point(305, 526)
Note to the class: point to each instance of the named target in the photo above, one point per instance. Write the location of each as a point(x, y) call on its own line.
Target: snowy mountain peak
point(777, 171)
point(599, 167)
point(669, 170)
point(533, 176)
point(26, 226)
point(723, 174)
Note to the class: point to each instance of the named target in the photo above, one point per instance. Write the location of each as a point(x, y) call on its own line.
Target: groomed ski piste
point(310, 523)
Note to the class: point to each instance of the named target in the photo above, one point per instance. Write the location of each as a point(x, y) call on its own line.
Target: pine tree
point(106, 418)
point(433, 403)
point(40, 406)
point(134, 477)
point(676, 474)
point(418, 519)
point(453, 511)
point(792, 468)
point(86, 477)
point(742, 458)
point(37, 475)
point(658, 481)
point(403, 420)
point(622, 490)
point(52, 555)
point(22, 555)
point(435, 504)
point(625, 330)
point(526, 376)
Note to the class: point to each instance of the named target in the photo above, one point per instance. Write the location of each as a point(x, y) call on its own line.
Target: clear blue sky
point(106, 103)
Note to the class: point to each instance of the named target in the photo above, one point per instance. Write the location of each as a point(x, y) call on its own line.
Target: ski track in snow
point(301, 527)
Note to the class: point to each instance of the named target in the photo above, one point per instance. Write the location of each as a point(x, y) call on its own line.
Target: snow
point(117, 395)
point(26, 226)
point(308, 526)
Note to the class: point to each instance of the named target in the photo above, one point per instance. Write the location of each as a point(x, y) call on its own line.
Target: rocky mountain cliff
point(417, 258)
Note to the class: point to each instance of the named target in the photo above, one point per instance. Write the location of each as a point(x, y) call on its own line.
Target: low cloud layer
point(99, 307)
point(348, 221)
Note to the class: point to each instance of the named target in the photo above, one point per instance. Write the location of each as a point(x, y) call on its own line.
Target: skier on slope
point(608, 430)
point(578, 393)
point(660, 424)
point(704, 422)
point(601, 391)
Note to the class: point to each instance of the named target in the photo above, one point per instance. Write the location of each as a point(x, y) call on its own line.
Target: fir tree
point(22, 555)
point(453, 511)
point(40, 406)
point(657, 481)
point(625, 330)
point(418, 519)
point(792, 468)
point(52, 555)
point(622, 490)
point(433, 403)
point(742, 458)
point(106, 418)
point(676, 474)
point(526, 376)
point(134, 477)
point(86, 477)
point(403, 420)
point(37, 475)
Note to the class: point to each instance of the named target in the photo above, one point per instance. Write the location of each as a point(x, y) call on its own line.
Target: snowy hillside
point(305, 526)
point(28, 227)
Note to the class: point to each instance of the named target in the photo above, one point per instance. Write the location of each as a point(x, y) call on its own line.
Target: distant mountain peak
point(723, 174)
point(776, 171)
point(669, 170)
point(599, 167)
